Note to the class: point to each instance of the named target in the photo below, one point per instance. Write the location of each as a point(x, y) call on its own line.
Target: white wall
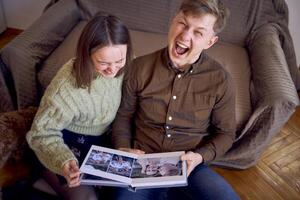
point(294, 25)
point(22, 13)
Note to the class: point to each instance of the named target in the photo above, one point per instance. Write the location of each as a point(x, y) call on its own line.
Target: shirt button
point(179, 75)
point(169, 135)
point(170, 118)
point(174, 97)
point(167, 127)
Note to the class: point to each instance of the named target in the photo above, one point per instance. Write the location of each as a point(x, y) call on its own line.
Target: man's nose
point(186, 35)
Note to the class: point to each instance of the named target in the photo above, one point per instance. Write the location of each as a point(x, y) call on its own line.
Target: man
point(180, 99)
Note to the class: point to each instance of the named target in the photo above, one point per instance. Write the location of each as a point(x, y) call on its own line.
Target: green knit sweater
point(64, 106)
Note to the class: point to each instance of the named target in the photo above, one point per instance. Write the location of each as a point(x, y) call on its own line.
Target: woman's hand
point(129, 150)
point(192, 159)
point(71, 173)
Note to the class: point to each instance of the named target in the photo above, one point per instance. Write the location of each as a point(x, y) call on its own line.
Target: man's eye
point(120, 61)
point(198, 33)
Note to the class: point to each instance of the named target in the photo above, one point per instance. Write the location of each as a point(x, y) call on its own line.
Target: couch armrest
point(275, 99)
point(273, 87)
point(13, 129)
point(6, 100)
point(23, 55)
point(270, 72)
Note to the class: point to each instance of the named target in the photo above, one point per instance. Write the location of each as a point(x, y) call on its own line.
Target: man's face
point(188, 36)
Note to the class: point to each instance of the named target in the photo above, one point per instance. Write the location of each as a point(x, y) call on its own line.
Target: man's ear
point(212, 41)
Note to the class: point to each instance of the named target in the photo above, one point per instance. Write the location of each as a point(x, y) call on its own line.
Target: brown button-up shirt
point(164, 109)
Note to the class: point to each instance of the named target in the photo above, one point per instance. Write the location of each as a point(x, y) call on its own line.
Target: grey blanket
point(274, 77)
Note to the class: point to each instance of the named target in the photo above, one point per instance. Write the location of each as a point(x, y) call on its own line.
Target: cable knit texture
point(64, 106)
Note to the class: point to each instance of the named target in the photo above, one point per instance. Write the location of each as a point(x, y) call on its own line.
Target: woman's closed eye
point(103, 63)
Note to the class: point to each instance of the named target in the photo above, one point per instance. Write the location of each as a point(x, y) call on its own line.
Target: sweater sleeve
point(45, 136)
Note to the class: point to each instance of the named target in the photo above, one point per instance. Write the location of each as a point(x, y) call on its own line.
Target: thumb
point(187, 156)
point(189, 171)
point(73, 165)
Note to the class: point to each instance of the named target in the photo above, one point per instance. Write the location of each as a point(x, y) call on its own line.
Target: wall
point(2, 19)
point(22, 13)
point(294, 25)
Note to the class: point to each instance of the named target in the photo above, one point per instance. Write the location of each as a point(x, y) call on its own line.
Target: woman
point(80, 103)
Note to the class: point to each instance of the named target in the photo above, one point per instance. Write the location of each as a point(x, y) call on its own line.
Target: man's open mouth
point(181, 48)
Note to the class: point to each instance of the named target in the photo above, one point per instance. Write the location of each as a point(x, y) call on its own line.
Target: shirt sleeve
point(223, 125)
point(123, 123)
point(45, 137)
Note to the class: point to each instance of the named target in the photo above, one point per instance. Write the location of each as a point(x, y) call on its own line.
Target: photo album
point(110, 167)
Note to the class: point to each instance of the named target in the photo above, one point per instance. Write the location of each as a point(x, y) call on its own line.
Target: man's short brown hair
point(213, 7)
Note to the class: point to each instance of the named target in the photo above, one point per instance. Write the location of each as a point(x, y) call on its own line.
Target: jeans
point(203, 183)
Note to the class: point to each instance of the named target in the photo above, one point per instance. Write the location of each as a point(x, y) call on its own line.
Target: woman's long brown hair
point(102, 30)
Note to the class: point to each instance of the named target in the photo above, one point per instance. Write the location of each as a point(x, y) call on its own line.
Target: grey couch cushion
point(145, 42)
point(235, 59)
point(145, 15)
point(60, 56)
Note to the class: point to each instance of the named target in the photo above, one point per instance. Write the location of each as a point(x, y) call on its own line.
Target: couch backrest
point(145, 15)
point(156, 15)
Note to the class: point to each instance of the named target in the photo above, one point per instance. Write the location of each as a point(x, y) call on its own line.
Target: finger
point(66, 172)
point(66, 167)
point(187, 156)
point(124, 149)
point(74, 165)
point(138, 151)
point(74, 181)
point(74, 184)
point(190, 169)
point(188, 172)
point(74, 175)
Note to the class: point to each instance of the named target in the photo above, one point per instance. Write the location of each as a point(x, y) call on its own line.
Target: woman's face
point(109, 60)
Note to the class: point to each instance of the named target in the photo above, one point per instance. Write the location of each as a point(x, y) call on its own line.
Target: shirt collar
point(189, 69)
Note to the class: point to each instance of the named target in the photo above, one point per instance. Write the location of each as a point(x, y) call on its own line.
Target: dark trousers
point(203, 183)
point(80, 144)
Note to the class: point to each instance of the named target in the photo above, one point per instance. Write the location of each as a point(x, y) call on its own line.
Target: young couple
point(176, 98)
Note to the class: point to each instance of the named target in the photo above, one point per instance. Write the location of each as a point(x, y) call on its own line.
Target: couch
point(255, 47)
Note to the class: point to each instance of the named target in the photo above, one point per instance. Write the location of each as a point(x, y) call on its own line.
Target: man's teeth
point(182, 45)
point(181, 49)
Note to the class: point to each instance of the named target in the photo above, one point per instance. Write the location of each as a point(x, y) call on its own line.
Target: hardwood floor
point(276, 176)
point(8, 35)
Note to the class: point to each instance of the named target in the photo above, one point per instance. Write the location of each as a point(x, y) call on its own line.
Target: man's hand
point(71, 173)
point(192, 159)
point(136, 151)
